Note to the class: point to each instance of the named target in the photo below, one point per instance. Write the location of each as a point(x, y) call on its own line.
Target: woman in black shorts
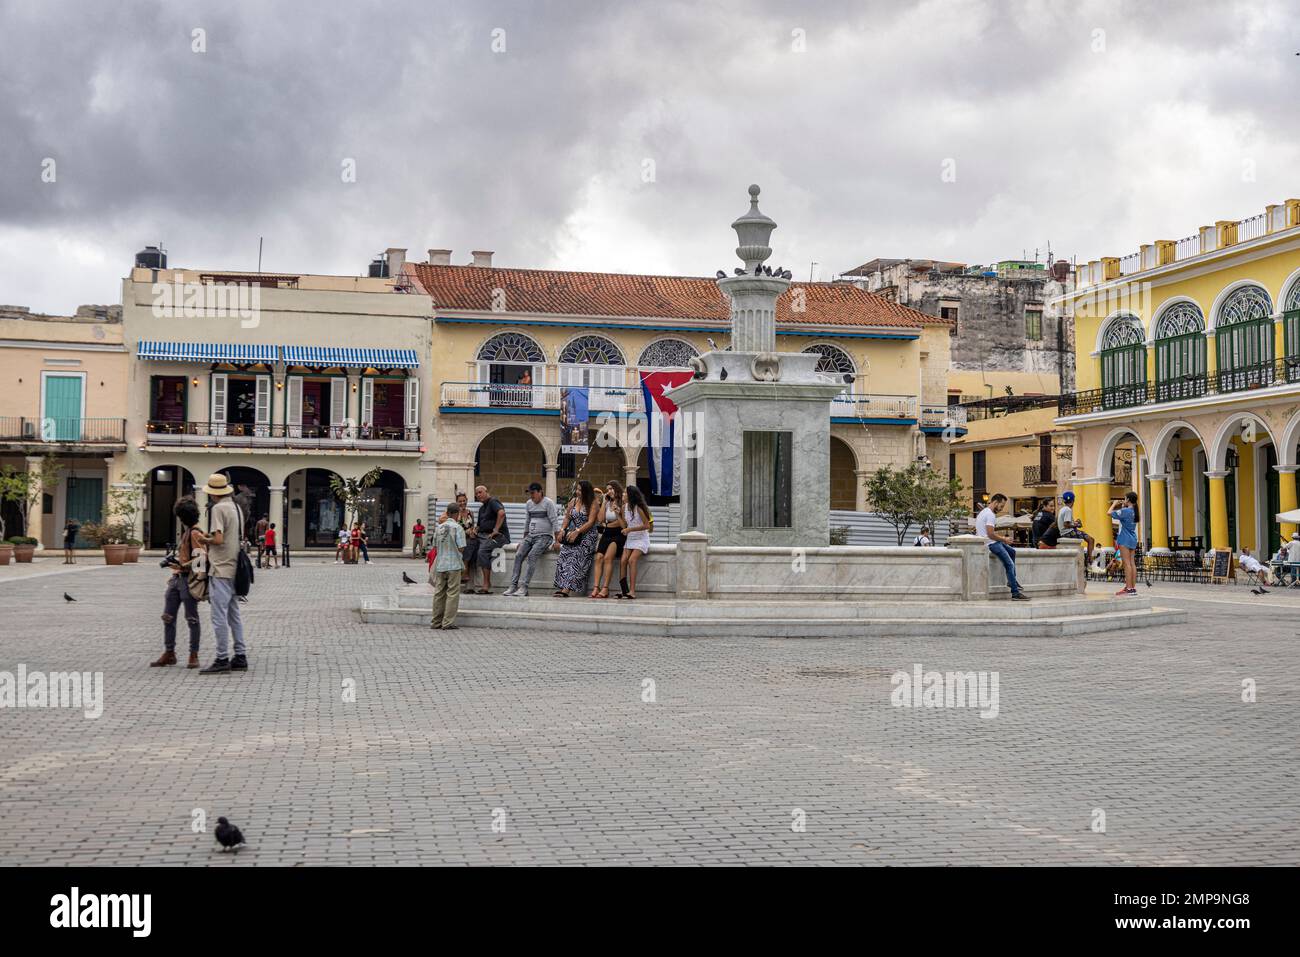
point(610, 548)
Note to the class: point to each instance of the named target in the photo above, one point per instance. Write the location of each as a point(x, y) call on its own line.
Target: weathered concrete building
point(1009, 329)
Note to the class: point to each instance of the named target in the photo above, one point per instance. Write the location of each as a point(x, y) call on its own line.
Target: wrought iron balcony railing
point(1283, 371)
point(1035, 475)
point(61, 431)
point(227, 435)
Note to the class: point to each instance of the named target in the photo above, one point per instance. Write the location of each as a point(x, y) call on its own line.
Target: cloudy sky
point(619, 135)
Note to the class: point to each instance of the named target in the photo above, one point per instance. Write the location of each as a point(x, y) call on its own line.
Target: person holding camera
point(178, 594)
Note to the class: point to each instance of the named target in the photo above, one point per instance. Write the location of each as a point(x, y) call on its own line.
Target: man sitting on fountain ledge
point(999, 544)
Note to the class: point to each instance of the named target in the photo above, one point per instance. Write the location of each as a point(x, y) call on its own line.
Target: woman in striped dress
point(577, 541)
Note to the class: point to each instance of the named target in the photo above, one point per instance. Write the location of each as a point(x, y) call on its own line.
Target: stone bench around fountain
point(963, 571)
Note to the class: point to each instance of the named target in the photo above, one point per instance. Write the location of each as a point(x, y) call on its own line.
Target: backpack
point(243, 565)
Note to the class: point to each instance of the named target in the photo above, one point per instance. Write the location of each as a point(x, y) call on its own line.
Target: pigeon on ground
point(228, 836)
point(1148, 584)
point(1256, 591)
point(407, 579)
point(67, 597)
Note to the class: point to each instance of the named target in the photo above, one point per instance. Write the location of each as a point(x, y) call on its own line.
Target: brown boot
point(168, 658)
point(194, 660)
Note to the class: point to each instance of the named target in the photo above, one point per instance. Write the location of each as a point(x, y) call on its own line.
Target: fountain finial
point(754, 230)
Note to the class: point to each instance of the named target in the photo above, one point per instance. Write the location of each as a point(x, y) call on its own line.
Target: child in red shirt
point(268, 550)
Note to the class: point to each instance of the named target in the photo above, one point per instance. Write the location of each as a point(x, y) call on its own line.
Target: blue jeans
point(1007, 556)
point(225, 616)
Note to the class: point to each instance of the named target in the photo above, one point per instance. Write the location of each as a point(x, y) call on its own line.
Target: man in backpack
point(222, 543)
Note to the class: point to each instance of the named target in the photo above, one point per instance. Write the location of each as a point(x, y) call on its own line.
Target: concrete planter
point(114, 554)
point(6, 554)
point(24, 553)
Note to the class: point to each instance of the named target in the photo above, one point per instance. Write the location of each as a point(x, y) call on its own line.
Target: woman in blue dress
point(1126, 513)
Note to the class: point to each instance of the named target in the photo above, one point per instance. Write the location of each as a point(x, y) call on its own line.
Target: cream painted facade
point(193, 432)
point(895, 411)
point(1011, 451)
point(63, 393)
point(1188, 355)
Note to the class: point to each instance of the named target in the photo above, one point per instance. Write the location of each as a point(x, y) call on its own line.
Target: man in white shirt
point(1252, 564)
point(999, 544)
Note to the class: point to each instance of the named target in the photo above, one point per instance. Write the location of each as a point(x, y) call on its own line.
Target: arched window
point(597, 364)
point(592, 349)
point(1180, 352)
point(667, 354)
point(1243, 336)
point(834, 361)
point(1123, 363)
point(1291, 328)
point(514, 364)
point(511, 347)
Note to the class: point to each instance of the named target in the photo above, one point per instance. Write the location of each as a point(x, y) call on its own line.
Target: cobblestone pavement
point(549, 735)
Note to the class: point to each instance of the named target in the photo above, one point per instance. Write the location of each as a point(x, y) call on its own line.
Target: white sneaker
point(368, 561)
point(521, 592)
point(338, 561)
point(508, 593)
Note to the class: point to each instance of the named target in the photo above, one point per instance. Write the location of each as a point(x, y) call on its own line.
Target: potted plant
point(125, 502)
point(6, 553)
point(110, 536)
point(24, 547)
point(24, 489)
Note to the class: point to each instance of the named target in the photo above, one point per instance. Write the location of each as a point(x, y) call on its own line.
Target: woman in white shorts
point(637, 525)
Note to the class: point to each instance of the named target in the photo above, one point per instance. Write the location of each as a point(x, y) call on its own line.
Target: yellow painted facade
point(1219, 432)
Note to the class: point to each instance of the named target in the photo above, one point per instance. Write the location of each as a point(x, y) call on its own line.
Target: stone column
point(860, 490)
point(1090, 507)
point(413, 507)
point(1279, 333)
point(551, 483)
point(1159, 505)
point(1218, 510)
point(33, 517)
point(629, 476)
point(275, 511)
point(693, 565)
point(1286, 489)
point(974, 566)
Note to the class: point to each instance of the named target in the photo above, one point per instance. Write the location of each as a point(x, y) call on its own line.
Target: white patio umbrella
point(1290, 518)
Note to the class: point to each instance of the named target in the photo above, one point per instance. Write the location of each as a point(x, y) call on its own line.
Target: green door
point(1272, 504)
point(62, 421)
point(85, 503)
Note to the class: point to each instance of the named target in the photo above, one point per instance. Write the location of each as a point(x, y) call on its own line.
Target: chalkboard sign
point(1221, 569)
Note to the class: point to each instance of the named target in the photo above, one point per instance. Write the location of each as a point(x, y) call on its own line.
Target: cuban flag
point(664, 445)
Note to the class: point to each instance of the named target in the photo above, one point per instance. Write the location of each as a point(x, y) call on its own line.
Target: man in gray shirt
point(222, 541)
point(541, 532)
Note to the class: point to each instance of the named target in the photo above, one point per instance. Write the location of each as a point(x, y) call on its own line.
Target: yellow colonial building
point(63, 396)
point(507, 341)
point(1188, 366)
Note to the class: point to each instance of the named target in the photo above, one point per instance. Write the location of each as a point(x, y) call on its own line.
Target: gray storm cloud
point(1096, 126)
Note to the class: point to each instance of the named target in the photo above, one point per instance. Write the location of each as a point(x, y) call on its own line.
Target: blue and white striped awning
point(331, 356)
point(206, 351)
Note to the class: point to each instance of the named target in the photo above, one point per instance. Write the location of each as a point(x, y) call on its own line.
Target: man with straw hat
point(222, 541)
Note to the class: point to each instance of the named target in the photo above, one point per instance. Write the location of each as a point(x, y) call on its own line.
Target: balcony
point(1228, 382)
point(18, 430)
point(1036, 476)
point(224, 435)
point(503, 398)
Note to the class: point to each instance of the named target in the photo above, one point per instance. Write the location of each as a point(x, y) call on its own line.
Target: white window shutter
point(293, 407)
point(262, 409)
point(217, 407)
point(338, 405)
point(367, 403)
point(412, 403)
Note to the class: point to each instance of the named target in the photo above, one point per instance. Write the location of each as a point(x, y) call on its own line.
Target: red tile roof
point(548, 292)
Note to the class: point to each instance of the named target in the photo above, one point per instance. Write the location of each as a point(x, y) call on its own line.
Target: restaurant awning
point(206, 351)
point(361, 358)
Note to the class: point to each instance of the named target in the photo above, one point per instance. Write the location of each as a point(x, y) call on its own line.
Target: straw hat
point(218, 484)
